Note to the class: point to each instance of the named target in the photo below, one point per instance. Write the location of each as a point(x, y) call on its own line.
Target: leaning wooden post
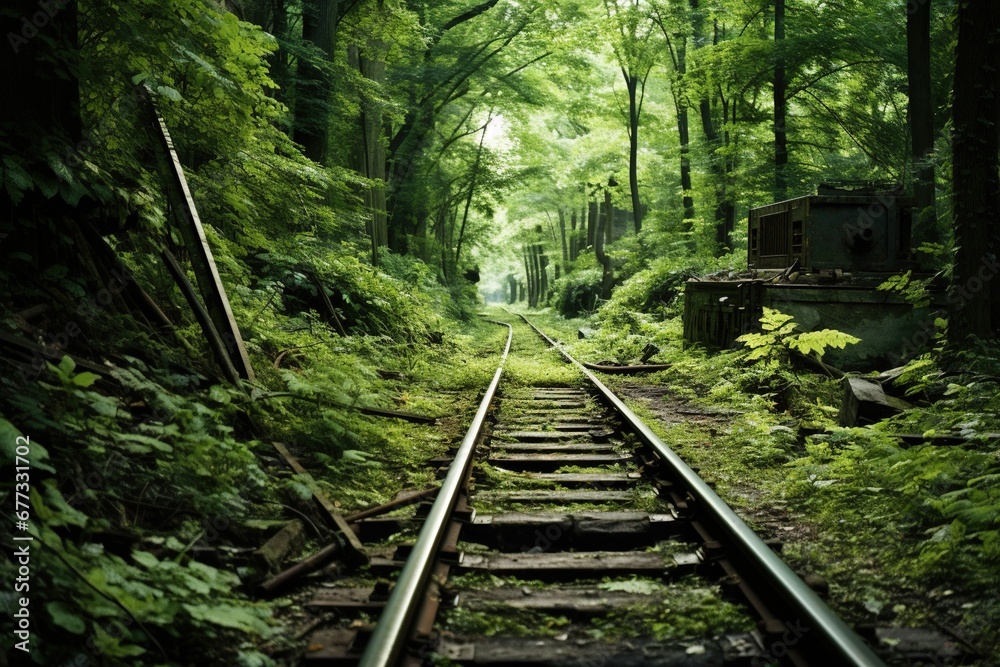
point(201, 314)
point(185, 218)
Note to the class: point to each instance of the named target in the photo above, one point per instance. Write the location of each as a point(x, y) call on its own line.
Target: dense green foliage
point(359, 167)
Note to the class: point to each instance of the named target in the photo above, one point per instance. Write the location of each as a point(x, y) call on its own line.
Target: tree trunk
point(607, 277)
point(562, 234)
point(683, 133)
point(543, 273)
point(592, 222)
point(370, 159)
point(574, 242)
point(313, 96)
point(780, 91)
point(529, 279)
point(632, 82)
point(717, 165)
point(608, 213)
point(976, 187)
point(921, 108)
point(472, 190)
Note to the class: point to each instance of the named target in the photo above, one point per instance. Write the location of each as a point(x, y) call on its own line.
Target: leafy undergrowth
point(905, 535)
point(151, 482)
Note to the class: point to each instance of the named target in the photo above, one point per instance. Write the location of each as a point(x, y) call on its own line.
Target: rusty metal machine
point(820, 258)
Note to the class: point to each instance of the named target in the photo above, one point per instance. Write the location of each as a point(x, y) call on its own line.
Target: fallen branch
point(391, 505)
point(336, 520)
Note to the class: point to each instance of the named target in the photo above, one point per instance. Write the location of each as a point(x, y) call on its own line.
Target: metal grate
point(775, 235)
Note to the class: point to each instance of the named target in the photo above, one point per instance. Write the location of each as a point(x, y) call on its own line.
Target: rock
point(865, 401)
point(284, 543)
point(584, 333)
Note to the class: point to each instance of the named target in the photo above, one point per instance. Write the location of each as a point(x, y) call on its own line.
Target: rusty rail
point(392, 630)
point(843, 647)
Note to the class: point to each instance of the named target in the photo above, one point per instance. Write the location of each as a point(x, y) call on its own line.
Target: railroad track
point(566, 533)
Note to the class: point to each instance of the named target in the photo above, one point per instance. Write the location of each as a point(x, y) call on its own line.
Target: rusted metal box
point(854, 233)
point(717, 312)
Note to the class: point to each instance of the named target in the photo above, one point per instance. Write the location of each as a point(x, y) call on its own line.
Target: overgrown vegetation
point(905, 534)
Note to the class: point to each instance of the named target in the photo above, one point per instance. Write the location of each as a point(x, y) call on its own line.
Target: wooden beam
point(204, 319)
point(334, 518)
point(185, 218)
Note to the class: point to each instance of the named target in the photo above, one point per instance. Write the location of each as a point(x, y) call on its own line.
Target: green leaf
point(64, 616)
point(170, 93)
point(145, 559)
point(138, 439)
point(67, 365)
point(85, 379)
point(228, 616)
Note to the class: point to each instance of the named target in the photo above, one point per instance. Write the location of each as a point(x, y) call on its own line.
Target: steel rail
point(848, 649)
point(393, 626)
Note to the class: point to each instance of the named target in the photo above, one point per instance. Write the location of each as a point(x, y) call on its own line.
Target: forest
point(239, 234)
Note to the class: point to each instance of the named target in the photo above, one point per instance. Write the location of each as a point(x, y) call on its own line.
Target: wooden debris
point(34, 311)
point(329, 312)
point(648, 353)
point(204, 319)
point(400, 501)
point(865, 401)
point(282, 544)
point(26, 353)
point(188, 223)
point(304, 567)
point(353, 546)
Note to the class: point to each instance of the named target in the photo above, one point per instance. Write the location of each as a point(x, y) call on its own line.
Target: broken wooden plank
point(360, 599)
point(186, 219)
point(215, 341)
point(303, 567)
point(334, 518)
point(392, 504)
point(866, 401)
point(282, 544)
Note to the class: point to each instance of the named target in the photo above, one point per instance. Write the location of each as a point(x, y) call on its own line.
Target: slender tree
point(313, 100)
point(780, 104)
point(976, 186)
point(921, 108)
point(635, 60)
